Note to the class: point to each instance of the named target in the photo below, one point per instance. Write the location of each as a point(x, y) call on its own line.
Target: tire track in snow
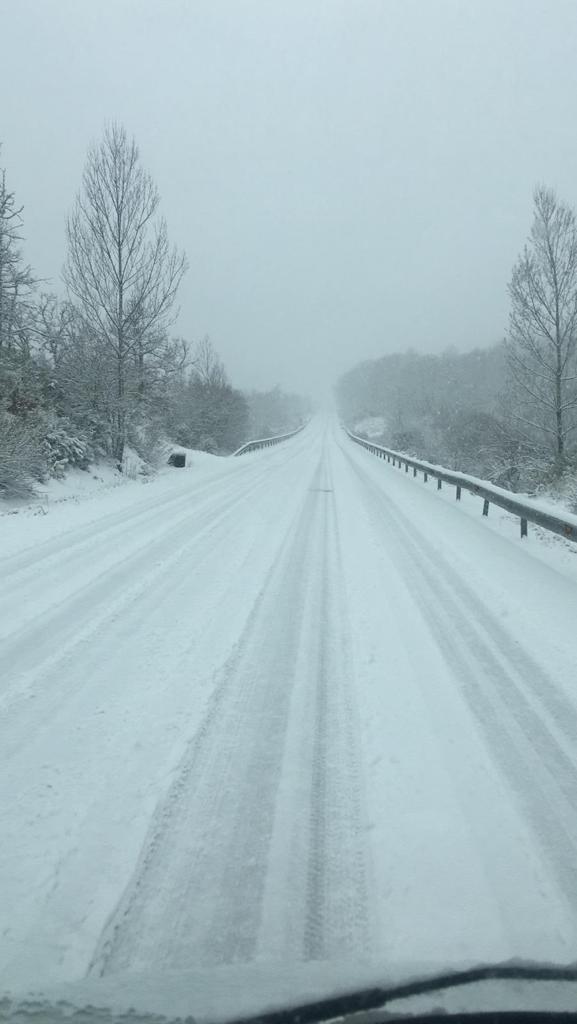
point(528, 724)
point(337, 917)
point(201, 888)
point(66, 624)
point(67, 564)
point(197, 890)
point(32, 559)
point(56, 682)
point(111, 717)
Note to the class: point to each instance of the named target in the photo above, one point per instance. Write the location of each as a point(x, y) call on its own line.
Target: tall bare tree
point(120, 267)
point(16, 279)
point(542, 336)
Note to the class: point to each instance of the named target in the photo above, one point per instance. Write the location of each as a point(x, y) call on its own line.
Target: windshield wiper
point(364, 1000)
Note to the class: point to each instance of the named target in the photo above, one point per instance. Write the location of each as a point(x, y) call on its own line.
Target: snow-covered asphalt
point(297, 707)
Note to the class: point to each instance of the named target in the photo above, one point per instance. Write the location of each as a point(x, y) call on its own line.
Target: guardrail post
point(414, 470)
point(425, 476)
point(439, 483)
point(486, 507)
point(523, 527)
point(458, 492)
point(406, 467)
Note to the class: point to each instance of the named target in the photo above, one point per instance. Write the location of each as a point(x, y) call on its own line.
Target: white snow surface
point(292, 708)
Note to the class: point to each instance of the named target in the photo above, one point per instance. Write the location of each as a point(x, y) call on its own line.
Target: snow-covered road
point(299, 707)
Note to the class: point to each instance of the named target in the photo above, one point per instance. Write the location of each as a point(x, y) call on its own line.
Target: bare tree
point(53, 326)
point(120, 266)
point(543, 326)
point(16, 279)
point(207, 365)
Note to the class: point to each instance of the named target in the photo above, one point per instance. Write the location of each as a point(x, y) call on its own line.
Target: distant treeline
point(276, 412)
point(509, 412)
point(444, 408)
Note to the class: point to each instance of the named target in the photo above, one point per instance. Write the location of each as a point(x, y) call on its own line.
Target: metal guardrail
point(491, 495)
point(266, 442)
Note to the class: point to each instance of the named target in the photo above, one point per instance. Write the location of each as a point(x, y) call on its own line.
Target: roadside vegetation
point(96, 371)
point(507, 412)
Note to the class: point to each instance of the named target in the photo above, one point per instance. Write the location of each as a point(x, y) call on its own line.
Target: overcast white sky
point(348, 177)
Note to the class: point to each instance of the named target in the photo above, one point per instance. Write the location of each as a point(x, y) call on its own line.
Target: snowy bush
point(20, 456)
point(64, 448)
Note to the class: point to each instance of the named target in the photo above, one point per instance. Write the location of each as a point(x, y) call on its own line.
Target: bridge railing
point(564, 525)
point(266, 442)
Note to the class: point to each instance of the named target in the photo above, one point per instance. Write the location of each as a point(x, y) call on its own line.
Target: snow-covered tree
point(543, 326)
point(121, 270)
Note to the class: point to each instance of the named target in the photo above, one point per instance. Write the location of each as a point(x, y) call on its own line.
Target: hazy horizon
point(347, 179)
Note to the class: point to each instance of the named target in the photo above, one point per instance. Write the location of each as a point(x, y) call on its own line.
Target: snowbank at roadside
point(84, 496)
point(79, 484)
